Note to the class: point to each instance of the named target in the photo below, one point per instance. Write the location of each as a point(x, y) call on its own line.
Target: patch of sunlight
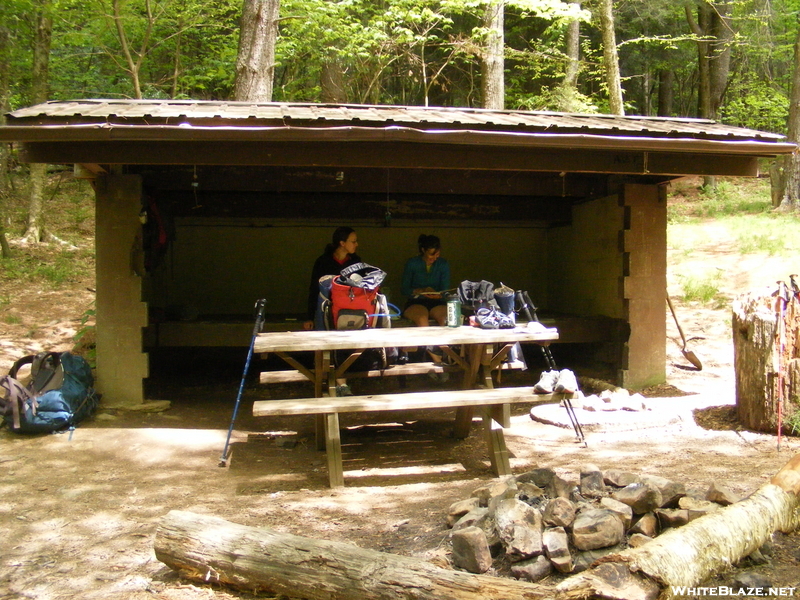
point(398, 471)
point(183, 438)
point(252, 482)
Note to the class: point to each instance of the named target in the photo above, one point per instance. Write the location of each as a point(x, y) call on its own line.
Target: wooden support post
point(464, 415)
point(319, 369)
point(495, 440)
point(333, 443)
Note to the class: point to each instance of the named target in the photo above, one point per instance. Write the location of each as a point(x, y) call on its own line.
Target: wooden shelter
point(239, 199)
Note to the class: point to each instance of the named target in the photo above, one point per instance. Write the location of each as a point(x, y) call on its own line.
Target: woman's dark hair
point(426, 242)
point(340, 235)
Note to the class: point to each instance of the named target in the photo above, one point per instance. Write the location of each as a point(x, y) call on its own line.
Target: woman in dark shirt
point(340, 253)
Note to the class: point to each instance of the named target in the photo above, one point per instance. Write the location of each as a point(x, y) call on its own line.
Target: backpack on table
point(476, 294)
point(354, 301)
point(354, 297)
point(59, 396)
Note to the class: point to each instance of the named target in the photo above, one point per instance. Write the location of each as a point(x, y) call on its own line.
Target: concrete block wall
point(611, 261)
point(645, 284)
point(586, 267)
point(121, 313)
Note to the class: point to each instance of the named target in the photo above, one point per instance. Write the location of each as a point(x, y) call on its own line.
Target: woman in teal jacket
point(425, 277)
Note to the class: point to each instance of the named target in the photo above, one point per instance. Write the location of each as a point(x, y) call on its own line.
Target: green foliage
point(406, 52)
point(85, 336)
point(181, 48)
point(792, 421)
point(726, 198)
point(70, 217)
point(756, 105)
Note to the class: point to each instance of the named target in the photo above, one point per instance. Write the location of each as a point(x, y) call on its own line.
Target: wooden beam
point(392, 181)
point(386, 155)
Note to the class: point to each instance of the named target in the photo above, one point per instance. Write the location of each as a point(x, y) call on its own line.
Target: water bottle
point(453, 311)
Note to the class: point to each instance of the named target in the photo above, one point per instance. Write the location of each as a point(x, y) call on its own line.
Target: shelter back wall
point(221, 267)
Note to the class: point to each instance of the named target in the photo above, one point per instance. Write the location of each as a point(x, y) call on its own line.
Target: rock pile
point(611, 400)
point(539, 522)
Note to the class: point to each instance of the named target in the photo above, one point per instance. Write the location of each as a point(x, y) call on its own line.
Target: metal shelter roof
point(95, 130)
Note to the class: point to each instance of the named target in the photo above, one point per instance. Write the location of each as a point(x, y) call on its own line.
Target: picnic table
point(479, 352)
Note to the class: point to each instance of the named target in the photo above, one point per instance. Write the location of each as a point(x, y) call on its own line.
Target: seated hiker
point(425, 277)
point(340, 253)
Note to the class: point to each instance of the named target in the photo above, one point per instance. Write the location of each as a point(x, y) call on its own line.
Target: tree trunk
point(567, 98)
point(766, 352)
point(255, 62)
point(685, 556)
point(332, 82)
point(714, 35)
point(720, 54)
point(5, 47)
point(493, 64)
point(790, 180)
point(666, 92)
point(573, 43)
point(134, 63)
point(210, 549)
point(611, 58)
point(176, 63)
point(34, 231)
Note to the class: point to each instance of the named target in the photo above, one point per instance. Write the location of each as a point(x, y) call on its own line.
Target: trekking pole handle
point(260, 307)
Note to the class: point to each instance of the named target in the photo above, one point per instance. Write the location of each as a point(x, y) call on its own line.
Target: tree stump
point(766, 359)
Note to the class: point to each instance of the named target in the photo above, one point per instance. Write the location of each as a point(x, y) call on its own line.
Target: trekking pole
point(783, 299)
point(260, 304)
point(529, 312)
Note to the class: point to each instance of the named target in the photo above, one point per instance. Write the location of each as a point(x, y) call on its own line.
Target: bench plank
point(327, 410)
point(292, 375)
point(402, 401)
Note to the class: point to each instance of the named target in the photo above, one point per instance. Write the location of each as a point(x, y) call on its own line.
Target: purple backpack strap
point(17, 396)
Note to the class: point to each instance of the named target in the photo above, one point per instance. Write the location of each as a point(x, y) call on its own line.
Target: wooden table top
point(299, 341)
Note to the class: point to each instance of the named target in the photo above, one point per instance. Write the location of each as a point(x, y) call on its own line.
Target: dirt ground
point(79, 510)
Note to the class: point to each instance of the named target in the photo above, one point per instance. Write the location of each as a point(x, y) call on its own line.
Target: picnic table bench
point(482, 350)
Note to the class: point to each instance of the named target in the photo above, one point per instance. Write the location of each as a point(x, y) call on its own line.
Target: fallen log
point(688, 555)
point(211, 549)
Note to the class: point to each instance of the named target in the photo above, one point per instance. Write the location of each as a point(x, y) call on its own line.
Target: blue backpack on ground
point(59, 396)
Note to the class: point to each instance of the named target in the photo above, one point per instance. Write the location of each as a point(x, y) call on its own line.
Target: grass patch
point(701, 288)
point(793, 420)
point(689, 199)
point(48, 267)
point(773, 234)
point(754, 242)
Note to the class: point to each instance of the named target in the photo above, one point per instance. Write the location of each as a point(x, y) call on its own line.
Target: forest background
point(732, 60)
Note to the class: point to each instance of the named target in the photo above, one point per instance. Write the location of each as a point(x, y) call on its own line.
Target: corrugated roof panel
point(231, 114)
point(105, 110)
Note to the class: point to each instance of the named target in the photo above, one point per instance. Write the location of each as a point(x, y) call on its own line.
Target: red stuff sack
point(354, 297)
